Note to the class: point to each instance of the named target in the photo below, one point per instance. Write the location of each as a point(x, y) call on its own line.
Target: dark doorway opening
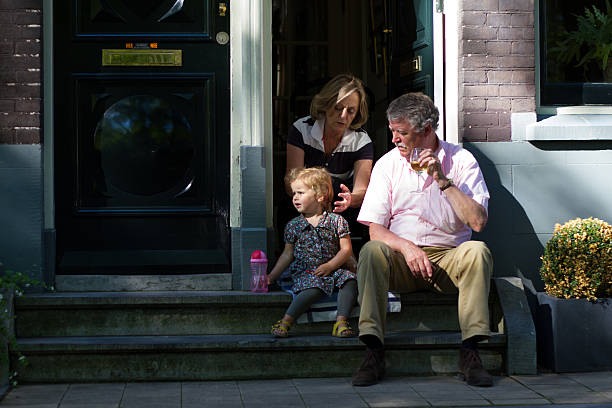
point(388, 44)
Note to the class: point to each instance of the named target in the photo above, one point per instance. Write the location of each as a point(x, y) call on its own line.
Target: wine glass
point(414, 163)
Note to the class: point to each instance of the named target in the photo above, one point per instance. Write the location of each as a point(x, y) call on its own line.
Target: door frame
point(48, 147)
point(446, 58)
point(250, 116)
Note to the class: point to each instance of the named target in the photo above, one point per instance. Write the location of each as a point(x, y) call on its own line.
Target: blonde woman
point(332, 138)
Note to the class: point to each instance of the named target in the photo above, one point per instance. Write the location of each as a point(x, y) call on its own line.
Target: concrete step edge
point(105, 344)
point(183, 298)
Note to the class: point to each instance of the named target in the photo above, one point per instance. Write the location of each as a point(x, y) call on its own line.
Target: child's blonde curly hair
point(315, 178)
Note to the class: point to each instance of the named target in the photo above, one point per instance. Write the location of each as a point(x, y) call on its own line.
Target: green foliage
point(12, 283)
point(590, 42)
point(577, 261)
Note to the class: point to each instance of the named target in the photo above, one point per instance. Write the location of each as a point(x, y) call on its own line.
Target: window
point(573, 37)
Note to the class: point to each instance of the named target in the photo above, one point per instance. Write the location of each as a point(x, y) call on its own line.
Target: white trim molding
point(451, 70)
point(250, 92)
point(438, 56)
point(574, 123)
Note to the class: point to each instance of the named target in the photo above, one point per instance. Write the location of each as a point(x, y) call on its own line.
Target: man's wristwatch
point(447, 185)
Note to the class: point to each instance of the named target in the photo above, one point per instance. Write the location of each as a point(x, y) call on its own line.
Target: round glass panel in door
point(146, 149)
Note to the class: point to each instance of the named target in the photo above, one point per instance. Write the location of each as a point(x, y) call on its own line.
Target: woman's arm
point(361, 179)
point(295, 159)
point(346, 250)
point(282, 263)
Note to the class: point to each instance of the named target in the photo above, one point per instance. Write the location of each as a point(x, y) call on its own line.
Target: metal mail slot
point(411, 66)
point(142, 58)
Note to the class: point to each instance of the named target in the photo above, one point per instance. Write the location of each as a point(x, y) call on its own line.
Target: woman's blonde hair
point(338, 88)
point(315, 178)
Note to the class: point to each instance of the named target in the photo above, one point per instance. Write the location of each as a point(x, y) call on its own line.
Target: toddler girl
point(317, 245)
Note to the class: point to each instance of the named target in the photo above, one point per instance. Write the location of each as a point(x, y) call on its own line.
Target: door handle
point(411, 66)
point(222, 9)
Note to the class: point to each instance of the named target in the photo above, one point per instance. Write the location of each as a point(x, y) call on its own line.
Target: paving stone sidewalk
point(551, 390)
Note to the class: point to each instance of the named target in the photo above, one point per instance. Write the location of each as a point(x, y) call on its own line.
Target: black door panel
point(141, 151)
point(157, 18)
point(143, 144)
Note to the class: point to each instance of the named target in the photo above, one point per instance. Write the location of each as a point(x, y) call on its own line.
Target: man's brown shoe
point(372, 369)
point(471, 367)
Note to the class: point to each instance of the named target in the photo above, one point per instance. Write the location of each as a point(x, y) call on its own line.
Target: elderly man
point(420, 229)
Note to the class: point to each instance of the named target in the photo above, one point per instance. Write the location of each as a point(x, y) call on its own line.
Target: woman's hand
point(345, 201)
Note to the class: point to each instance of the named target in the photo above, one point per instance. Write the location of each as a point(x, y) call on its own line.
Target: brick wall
point(497, 66)
point(20, 73)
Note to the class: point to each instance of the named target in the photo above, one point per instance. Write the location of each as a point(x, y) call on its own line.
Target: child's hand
point(323, 270)
point(271, 279)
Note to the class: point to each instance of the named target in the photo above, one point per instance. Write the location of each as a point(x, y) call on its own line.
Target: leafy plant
point(591, 41)
point(577, 261)
point(12, 283)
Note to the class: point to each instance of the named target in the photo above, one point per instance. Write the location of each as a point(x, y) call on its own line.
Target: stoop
point(214, 335)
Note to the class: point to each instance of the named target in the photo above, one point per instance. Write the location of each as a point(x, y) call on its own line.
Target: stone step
point(199, 313)
point(142, 260)
point(131, 336)
point(224, 357)
point(144, 282)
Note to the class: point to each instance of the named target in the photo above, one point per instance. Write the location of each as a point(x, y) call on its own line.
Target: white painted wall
point(534, 185)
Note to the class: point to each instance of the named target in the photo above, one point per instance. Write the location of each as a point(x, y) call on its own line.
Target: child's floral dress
point(314, 246)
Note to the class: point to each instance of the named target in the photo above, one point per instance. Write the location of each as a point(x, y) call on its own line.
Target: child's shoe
point(343, 329)
point(281, 329)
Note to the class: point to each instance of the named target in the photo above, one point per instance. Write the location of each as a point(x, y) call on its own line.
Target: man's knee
point(477, 253)
point(373, 252)
point(373, 262)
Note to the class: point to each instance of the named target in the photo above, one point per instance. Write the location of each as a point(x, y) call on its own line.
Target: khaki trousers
point(466, 269)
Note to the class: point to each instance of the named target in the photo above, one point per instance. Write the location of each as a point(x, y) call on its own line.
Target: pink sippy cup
point(259, 267)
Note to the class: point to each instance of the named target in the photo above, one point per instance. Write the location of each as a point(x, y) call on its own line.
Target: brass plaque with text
point(142, 58)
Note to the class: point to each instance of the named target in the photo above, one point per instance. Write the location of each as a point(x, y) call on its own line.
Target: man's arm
point(469, 211)
point(415, 257)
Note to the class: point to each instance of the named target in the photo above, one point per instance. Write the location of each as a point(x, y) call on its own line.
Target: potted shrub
point(574, 316)
point(590, 43)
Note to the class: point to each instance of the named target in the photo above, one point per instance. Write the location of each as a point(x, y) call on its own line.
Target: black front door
point(141, 136)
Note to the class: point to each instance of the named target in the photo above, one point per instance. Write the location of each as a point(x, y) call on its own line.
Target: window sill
point(573, 123)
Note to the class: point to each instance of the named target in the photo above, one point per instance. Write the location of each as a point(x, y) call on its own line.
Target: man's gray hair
point(416, 108)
